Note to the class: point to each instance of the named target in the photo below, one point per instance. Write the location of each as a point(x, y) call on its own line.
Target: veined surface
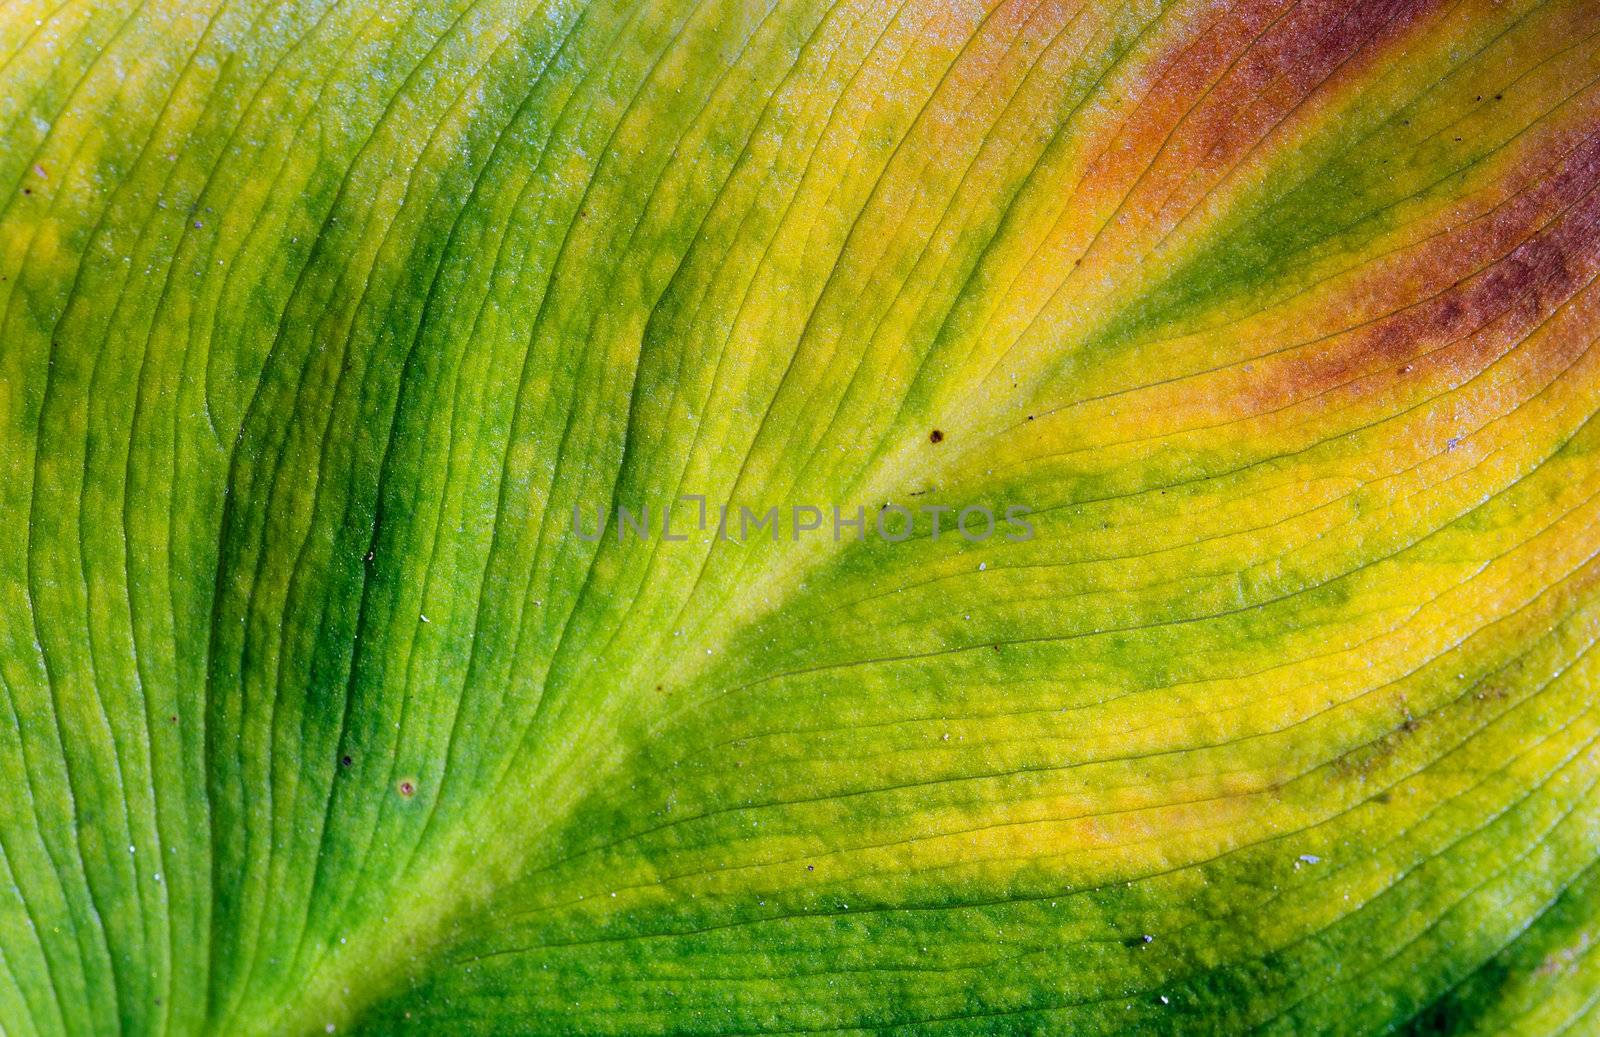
point(318, 319)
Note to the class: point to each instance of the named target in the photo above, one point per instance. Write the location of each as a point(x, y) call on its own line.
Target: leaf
point(1271, 321)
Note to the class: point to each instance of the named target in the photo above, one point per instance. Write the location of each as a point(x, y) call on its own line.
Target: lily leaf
point(773, 516)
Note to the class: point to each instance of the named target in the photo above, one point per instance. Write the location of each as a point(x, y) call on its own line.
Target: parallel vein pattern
point(320, 320)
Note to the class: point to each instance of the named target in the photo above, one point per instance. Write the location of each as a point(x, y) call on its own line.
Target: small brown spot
point(1492, 691)
point(1405, 368)
point(173, 719)
point(936, 436)
point(407, 789)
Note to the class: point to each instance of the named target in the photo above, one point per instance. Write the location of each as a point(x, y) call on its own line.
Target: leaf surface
point(327, 329)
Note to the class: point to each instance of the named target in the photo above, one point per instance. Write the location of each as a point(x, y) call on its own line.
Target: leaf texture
point(319, 319)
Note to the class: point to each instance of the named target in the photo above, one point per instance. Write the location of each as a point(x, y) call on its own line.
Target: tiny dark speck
point(936, 436)
point(1138, 941)
point(406, 788)
point(345, 761)
point(811, 867)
